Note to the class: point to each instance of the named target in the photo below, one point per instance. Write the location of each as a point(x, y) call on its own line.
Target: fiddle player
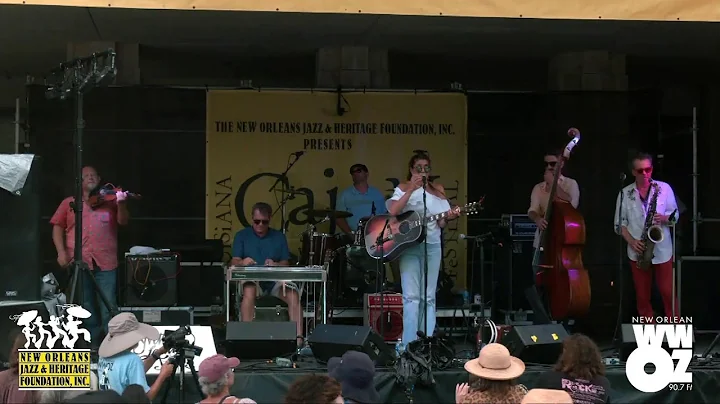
point(406, 197)
point(99, 249)
point(362, 200)
point(259, 245)
point(630, 223)
point(567, 191)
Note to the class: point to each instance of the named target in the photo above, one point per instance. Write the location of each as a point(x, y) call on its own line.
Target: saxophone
point(652, 234)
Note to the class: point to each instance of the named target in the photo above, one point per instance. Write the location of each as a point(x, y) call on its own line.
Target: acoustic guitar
point(403, 231)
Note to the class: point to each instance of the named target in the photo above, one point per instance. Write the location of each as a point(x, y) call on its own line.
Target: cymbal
point(336, 214)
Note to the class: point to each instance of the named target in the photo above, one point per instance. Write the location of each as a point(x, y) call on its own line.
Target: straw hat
point(124, 332)
point(495, 363)
point(545, 396)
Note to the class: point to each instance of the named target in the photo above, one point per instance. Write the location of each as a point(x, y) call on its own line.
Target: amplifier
point(21, 263)
point(151, 280)
point(384, 312)
point(178, 316)
point(519, 225)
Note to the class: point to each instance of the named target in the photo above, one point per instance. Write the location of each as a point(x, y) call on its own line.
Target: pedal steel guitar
point(309, 274)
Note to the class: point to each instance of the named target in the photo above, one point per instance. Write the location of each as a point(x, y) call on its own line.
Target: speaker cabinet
point(328, 341)
point(21, 259)
point(536, 343)
point(151, 280)
point(260, 340)
point(383, 312)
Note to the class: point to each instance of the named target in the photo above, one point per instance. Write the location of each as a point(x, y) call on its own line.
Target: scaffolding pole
point(696, 215)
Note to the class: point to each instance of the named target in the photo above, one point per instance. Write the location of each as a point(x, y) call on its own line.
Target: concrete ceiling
point(34, 38)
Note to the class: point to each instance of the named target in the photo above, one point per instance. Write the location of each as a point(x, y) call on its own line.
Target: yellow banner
point(252, 134)
point(653, 10)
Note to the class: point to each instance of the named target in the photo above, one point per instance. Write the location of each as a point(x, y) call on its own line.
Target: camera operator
point(119, 367)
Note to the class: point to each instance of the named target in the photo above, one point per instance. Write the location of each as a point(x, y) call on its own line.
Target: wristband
point(155, 356)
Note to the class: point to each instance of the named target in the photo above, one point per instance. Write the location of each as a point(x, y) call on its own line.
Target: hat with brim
point(495, 363)
point(547, 396)
point(124, 332)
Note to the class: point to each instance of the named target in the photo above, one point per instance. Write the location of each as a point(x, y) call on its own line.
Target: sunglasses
point(646, 170)
point(358, 170)
point(550, 163)
point(422, 169)
point(265, 222)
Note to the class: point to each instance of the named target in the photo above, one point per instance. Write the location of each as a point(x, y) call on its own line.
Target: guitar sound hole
point(404, 227)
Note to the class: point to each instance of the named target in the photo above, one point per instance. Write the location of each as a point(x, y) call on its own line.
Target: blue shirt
point(360, 205)
point(273, 246)
point(121, 370)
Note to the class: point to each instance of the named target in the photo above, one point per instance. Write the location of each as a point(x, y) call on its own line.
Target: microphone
point(297, 154)
point(424, 178)
point(373, 208)
point(623, 176)
point(482, 236)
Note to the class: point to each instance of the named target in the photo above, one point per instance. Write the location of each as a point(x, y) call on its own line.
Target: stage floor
point(267, 384)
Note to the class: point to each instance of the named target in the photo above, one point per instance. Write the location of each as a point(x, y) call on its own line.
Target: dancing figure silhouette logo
point(49, 359)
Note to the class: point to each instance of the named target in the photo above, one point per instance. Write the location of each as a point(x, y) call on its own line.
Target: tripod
point(182, 360)
point(74, 79)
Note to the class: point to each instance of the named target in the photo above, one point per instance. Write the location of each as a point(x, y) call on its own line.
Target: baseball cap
point(358, 167)
point(216, 366)
point(356, 373)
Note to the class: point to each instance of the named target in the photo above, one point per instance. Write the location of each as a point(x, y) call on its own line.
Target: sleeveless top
point(435, 205)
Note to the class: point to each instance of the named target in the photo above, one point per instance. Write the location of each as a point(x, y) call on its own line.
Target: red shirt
point(99, 233)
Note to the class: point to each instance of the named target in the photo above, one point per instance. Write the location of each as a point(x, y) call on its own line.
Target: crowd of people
point(577, 377)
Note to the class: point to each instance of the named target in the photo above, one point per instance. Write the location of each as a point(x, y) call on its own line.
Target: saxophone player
point(643, 212)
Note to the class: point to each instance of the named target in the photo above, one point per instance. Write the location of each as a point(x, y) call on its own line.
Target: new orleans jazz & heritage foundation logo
point(43, 367)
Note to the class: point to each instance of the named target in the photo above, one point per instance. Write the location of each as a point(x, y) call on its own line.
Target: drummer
point(362, 200)
point(359, 200)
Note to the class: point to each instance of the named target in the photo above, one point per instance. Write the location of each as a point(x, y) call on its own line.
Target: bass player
point(631, 210)
point(568, 191)
point(406, 197)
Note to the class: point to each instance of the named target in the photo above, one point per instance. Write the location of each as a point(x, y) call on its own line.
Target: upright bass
point(558, 260)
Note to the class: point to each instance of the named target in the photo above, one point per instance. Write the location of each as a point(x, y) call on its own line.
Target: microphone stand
point(621, 259)
point(285, 190)
point(425, 271)
point(380, 242)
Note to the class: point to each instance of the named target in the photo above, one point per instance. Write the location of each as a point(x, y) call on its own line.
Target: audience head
point(59, 396)
point(124, 333)
point(356, 373)
point(495, 369)
point(316, 389)
point(18, 342)
point(216, 374)
point(580, 358)
point(544, 396)
point(95, 397)
point(135, 394)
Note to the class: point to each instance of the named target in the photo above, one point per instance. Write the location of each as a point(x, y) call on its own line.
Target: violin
point(107, 193)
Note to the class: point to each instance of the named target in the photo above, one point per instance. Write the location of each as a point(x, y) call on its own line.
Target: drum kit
point(345, 256)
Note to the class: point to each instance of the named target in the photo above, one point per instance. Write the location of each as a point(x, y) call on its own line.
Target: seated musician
point(260, 245)
point(362, 200)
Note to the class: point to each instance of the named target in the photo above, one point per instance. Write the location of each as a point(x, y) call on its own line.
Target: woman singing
point(409, 196)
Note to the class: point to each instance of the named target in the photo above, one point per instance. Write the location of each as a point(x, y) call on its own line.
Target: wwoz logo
point(670, 370)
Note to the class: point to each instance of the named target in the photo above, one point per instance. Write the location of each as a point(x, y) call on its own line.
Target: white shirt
point(435, 206)
point(540, 197)
point(634, 213)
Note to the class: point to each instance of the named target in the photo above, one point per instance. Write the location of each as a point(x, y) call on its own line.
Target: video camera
point(175, 340)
